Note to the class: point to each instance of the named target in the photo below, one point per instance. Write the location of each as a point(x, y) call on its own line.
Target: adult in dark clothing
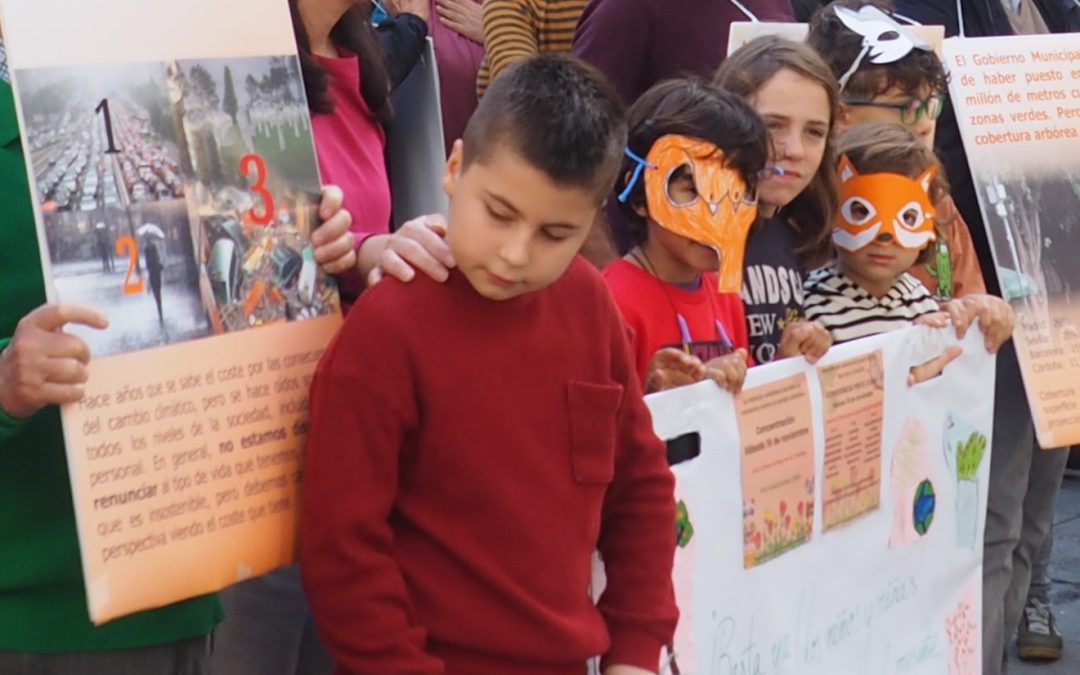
point(1024, 481)
point(638, 43)
point(104, 248)
point(154, 267)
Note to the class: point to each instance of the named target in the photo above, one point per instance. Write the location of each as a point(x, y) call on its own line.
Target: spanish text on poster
point(852, 394)
point(1017, 102)
point(777, 468)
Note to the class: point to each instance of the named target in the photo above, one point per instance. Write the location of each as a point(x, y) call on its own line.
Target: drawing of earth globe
point(924, 506)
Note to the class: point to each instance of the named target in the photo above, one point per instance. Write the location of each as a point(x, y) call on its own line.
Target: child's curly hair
point(918, 71)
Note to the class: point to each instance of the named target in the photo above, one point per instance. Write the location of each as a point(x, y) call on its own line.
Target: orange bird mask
point(719, 216)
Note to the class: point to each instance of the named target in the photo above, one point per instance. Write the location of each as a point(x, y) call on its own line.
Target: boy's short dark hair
point(696, 109)
point(881, 147)
point(560, 114)
point(840, 46)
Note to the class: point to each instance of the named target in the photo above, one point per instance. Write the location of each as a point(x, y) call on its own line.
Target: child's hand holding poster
point(172, 164)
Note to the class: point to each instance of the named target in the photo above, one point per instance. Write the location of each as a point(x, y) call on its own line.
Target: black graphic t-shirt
point(772, 286)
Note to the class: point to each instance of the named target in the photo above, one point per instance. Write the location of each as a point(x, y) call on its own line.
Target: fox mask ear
point(846, 169)
point(927, 178)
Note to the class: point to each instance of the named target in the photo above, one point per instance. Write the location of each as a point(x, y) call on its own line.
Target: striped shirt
point(517, 29)
point(849, 312)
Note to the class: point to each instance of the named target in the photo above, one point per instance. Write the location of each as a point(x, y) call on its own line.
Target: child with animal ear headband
point(889, 184)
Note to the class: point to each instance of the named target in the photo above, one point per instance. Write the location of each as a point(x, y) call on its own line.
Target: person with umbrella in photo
point(152, 238)
point(104, 247)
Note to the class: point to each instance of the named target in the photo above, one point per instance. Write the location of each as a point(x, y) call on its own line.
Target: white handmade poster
point(830, 521)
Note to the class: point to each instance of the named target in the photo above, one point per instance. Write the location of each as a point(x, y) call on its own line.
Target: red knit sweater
point(465, 459)
point(650, 306)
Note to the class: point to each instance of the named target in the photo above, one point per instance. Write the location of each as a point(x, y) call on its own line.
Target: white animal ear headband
point(884, 40)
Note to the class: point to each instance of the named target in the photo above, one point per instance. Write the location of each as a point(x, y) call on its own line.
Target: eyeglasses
point(911, 111)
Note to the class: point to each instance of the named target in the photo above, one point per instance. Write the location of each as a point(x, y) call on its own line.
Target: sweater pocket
point(592, 410)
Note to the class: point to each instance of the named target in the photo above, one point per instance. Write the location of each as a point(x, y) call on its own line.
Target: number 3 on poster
point(259, 188)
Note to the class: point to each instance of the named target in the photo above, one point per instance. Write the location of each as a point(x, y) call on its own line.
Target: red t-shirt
point(652, 309)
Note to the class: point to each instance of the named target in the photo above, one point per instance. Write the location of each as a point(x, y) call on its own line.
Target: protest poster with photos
point(1017, 102)
point(172, 166)
point(804, 554)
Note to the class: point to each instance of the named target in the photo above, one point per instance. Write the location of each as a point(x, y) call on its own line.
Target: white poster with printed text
point(1017, 103)
point(830, 517)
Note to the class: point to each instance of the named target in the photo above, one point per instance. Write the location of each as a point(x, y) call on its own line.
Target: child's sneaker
point(1038, 638)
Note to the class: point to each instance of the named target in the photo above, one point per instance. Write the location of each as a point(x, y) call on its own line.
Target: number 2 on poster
point(126, 245)
point(259, 188)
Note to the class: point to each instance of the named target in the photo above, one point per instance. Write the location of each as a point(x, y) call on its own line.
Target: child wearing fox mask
point(889, 183)
point(688, 190)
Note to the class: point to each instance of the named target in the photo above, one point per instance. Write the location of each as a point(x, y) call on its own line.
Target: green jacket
point(42, 600)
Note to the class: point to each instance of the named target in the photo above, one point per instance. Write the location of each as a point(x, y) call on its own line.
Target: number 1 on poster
point(103, 108)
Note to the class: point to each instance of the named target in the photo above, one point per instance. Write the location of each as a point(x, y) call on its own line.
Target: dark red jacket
point(638, 43)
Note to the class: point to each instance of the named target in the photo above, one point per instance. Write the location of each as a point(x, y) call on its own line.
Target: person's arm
point(464, 17)
point(616, 37)
point(419, 244)
point(510, 33)
point(362, 406)
point(637, 535)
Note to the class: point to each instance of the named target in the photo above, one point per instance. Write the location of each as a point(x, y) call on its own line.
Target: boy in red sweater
point(473, 442)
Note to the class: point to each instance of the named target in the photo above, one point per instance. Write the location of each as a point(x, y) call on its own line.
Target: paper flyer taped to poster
point(173, 172)
point(1017, 102)
point(847, 599)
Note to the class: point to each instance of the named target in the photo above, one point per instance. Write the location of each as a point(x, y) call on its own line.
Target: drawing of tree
point(229, 103)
